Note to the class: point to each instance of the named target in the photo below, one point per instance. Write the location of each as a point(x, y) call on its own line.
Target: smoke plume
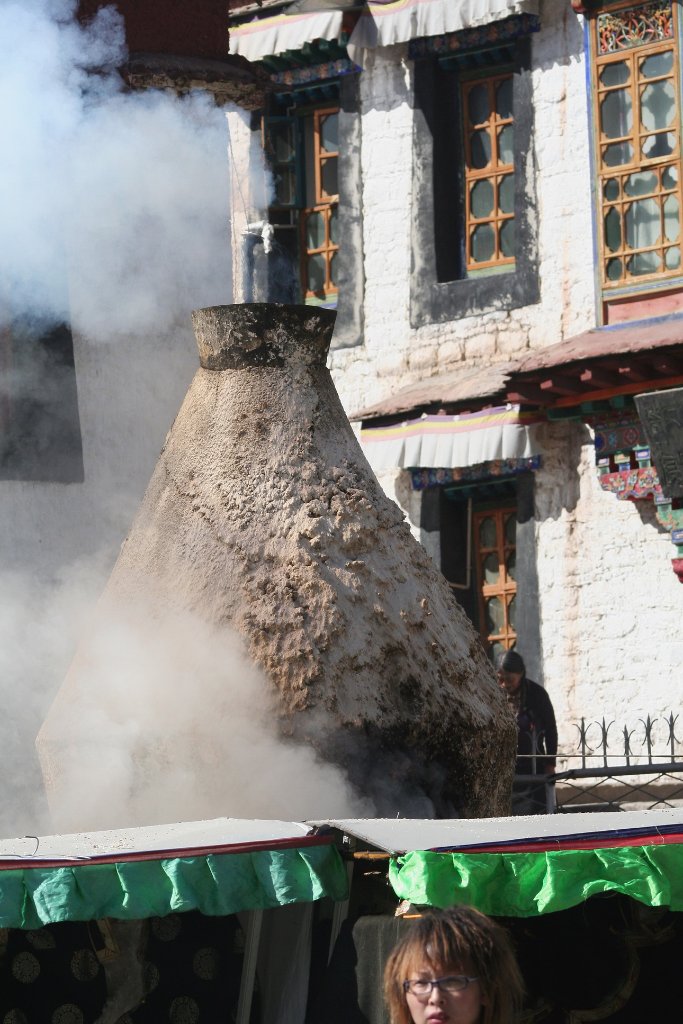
point(114, 205)
point(183, 726)
point(114, 219)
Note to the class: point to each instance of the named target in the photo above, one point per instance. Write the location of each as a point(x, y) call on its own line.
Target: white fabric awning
point(400, 835)
point(448, 442)
point(269, 36)
point(382, 24)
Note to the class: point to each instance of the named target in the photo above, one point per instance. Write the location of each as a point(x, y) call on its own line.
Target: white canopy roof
point(399, 835)
point(180, 836)
point(395, 835)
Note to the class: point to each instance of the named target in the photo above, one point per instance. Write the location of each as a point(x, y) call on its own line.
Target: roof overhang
point(231, 80)
point(589, 367)
point(461, 385)
point(605, 362)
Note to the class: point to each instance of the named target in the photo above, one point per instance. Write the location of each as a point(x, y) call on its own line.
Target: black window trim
point(435, 147)
point(349, 326)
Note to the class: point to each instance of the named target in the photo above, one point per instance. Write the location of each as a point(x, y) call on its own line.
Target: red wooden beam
point(625, 389)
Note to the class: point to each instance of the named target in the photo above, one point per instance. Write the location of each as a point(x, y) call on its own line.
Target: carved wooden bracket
point(632, 484)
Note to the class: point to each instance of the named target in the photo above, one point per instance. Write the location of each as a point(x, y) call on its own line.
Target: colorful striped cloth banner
point(264, 37)
point(452, 441)
point(383, 24)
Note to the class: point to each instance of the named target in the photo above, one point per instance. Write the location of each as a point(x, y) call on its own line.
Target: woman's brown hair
point(458, 939)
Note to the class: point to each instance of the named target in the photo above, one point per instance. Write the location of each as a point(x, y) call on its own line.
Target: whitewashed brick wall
point(610, 605)
point(393, 354)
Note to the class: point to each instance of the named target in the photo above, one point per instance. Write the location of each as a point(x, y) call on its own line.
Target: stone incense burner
point(263, 517)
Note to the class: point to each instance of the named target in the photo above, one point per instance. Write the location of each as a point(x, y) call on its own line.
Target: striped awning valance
point(449, 441)
point(382, 24)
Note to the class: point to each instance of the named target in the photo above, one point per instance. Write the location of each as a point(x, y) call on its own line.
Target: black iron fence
point(611, 768)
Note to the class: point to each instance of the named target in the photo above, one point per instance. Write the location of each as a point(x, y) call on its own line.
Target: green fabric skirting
point(217, 884)
point(529, 884)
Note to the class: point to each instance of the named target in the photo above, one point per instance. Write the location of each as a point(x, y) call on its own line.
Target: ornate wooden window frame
point(441, 287)
point(493, 174)
point(325, 206)
point(505, 587)
point(626, 296)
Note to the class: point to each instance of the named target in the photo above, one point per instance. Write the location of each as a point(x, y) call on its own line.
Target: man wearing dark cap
point(536, 731)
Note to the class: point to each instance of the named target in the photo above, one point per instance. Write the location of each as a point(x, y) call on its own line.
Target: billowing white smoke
point(113, 205)
point(114, 218)
point(39, 627)
point(182, 726)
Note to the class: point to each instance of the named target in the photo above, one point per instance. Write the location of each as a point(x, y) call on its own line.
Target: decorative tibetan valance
point(383, 24)
point(264, 37)
point(497, 468)
point(495, 35)
point(453, 441)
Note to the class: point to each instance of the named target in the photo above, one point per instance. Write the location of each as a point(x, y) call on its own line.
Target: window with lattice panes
point(319, 220)
point(495, 549)
point(475, 243)
point(488, 131)
point(637, 125)
point(302, 144)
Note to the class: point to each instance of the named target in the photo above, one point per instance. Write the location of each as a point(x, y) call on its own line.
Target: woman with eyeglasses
point(453, 966)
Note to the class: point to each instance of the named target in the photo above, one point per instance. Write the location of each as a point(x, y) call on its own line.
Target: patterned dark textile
point(51, 976)
point(192, 968)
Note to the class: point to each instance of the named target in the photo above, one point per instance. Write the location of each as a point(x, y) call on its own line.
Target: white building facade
point(541, 305)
